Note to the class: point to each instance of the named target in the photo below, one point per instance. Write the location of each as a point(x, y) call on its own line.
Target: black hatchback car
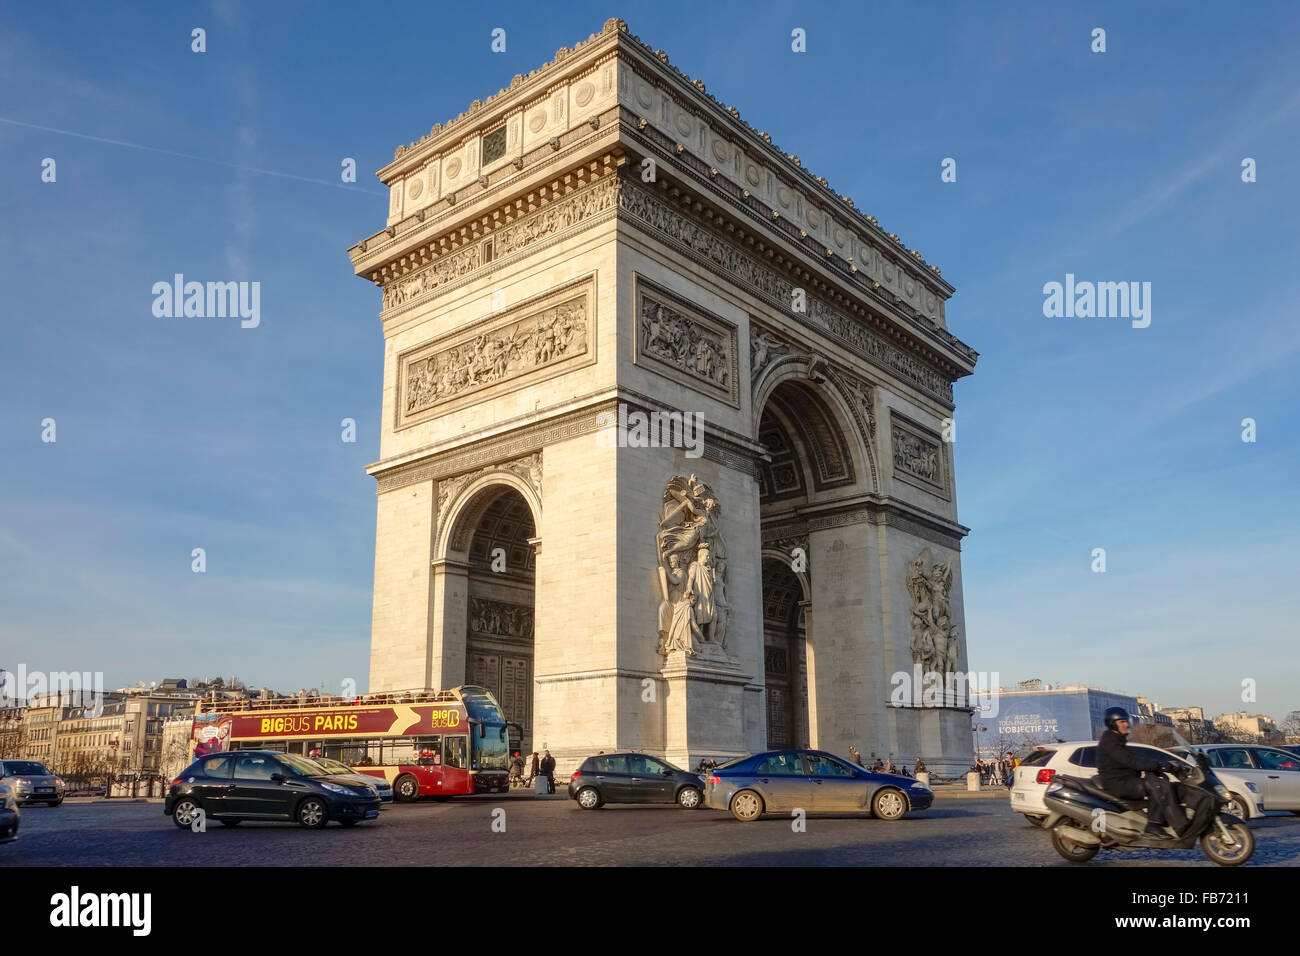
point(244, 785)
point(633, 778)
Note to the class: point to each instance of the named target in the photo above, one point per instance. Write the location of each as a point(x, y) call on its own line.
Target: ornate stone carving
point(761, 280)
point(918, 456)
point(433, 375)
point(688, 344)
point(861, 400)
point(557, 216)
point(501, 619)
point(935, 643)
point(764, 349)
point(568, 212)
point(693, 609)
point(451, 266)
point(529, 468)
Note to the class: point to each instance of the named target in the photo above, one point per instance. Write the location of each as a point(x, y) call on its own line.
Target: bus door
point(455, 764)
point(428, 757)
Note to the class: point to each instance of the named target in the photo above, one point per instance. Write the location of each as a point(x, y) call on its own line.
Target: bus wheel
point(312, 813)
point(407, 789)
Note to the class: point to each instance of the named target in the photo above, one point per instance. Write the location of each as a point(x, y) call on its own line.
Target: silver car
point(1276, 772)
point(8, 815)
point(31, 782)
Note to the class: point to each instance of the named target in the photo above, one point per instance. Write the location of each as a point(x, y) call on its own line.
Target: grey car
point(31, 782)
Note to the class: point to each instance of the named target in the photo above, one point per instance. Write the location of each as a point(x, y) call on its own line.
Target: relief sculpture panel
point(685, 343)
point(548, 333)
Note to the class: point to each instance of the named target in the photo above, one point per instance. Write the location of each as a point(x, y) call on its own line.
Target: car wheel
point(407, 789)
point(312, 813)
point(231, 823)
point(689, 798)
point(747, 806)
point(1035, 819)
point(889, 804)
point(1074, 852)
point(589, 798)
point(1237, 807)
point(55, 803)
point(184, 812)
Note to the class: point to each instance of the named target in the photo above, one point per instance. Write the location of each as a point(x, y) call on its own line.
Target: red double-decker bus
point(425, 743)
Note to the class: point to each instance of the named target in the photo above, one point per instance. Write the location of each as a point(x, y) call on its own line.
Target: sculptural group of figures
point(915, 456)
point(675, 339)
point(935, 643)
point(693, 607)
point(482, 360)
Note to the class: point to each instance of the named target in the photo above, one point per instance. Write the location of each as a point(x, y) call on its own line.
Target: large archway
point(816, 459)
point(496, 536)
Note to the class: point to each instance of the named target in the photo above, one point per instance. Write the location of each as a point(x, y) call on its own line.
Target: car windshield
point(24, 768)
point(332, 766)
point(305, 767)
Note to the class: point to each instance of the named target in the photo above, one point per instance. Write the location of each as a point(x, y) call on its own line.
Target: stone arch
point(831, 396)
point(487, 615)
point(465, 502)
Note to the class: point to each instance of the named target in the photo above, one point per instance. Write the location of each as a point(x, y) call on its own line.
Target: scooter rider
point(1121, 771)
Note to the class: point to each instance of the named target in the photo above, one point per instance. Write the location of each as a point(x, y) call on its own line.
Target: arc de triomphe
point(572, 269)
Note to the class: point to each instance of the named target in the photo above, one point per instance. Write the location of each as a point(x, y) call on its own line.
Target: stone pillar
point(704, 703)
point(448, 625)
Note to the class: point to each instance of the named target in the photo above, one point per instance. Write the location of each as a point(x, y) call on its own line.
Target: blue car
point(780, 781)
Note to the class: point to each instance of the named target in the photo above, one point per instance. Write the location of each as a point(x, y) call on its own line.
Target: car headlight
point(1251, 787)
point(335, 788)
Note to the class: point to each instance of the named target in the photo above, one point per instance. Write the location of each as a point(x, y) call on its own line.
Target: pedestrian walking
point(532, 768)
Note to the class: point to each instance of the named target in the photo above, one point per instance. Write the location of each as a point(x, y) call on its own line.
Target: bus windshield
point(492, 749)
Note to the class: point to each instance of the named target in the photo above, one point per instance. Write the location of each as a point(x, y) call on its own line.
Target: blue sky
point(1073, 434)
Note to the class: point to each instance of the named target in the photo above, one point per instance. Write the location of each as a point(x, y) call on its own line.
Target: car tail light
point(576, 775)
point(1045, 776)
point(714, 781)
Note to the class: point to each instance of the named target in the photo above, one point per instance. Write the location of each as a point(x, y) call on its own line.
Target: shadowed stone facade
point(602, 239)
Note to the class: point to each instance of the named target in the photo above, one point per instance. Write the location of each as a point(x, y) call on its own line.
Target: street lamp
point(975, 731)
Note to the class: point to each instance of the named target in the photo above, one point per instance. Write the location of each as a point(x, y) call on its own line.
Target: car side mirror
point(667, 773)
point(277, 778)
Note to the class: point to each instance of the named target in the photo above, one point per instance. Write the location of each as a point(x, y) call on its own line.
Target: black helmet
point(1114, 715)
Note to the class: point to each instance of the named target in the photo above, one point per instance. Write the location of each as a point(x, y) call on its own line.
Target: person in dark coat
point(1135, 774)
point(532, 769)
point(547, 767)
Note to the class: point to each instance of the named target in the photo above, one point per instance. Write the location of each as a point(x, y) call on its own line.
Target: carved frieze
point(453, 265)
point(761, 280)
point(501, 619)
point(541, 334)
point(568, 212)
point(685, 342)
point(559, 215)
point(918, 455)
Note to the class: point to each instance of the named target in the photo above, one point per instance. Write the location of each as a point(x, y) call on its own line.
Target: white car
point(1079, 759)
point(1276, 772)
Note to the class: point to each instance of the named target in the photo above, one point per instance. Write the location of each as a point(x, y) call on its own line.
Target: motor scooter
point(1084, 819)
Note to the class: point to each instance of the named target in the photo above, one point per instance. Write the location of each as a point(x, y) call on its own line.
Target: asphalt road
point(953, 832)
